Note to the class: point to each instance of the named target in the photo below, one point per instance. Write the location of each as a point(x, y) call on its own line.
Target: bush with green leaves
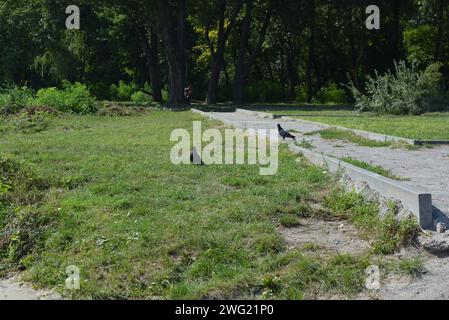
point(13, 99)
point(74, 98)
point(407, 90)
point(165, 95)
point(51, 97)
point(331, 93)
point(141, 97)
point(122, 91)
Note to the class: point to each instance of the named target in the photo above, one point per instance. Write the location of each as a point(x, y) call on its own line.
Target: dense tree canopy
point(239, 50)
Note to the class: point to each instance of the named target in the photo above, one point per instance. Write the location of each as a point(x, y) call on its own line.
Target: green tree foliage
point(226, 49)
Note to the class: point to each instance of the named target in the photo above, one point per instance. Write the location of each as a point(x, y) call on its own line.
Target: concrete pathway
point(427, 169)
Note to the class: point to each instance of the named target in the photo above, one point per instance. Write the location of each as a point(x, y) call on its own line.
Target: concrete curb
point(418, 202)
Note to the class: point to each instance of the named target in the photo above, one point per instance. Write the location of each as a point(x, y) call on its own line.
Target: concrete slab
point(413, 199)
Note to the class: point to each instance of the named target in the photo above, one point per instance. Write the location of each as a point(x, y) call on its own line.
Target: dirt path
point(427, 169)
point(433, 285)
point(336, 237)
point(13, 289)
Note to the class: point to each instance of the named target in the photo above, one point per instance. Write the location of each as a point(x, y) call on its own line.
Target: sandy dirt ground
point(13, 288)
point(336, 237)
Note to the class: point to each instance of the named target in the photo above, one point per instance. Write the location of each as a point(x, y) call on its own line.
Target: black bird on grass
point(285, 134)
point(195, 158)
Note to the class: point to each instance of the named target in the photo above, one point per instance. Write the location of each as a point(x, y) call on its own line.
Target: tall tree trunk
point(181, 40)
point(151, 51)
point(311, 57)
point(270, 69)
point(225, 69)
point(218, 54)
point(155, 71)
point(438, 45)
point(174, 52)
point(240, 72)
point(244, 66)
point(352, 47)
point(292, 70)
point(397, 42)
point(212, 87)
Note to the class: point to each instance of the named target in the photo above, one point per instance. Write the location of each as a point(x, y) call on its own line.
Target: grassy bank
point(111, 203)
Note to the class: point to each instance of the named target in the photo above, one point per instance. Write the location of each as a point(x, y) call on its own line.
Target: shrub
point(78, 98)
point(51, 97)
point(13, 99)
point(140, 97)
point(73, 98)
point(406, 91)
point(330, 93)
point(123, 91)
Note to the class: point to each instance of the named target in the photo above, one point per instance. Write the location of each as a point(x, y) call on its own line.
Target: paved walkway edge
point(418, 202)
point(365, 134)
point(362, 133)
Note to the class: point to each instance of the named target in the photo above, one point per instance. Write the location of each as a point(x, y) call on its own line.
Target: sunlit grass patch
point(388, 233)
point(373, 168)
point(426, 127)
point(138, 226)
point(348, 136)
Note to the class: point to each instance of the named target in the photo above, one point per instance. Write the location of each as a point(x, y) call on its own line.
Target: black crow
point(285, 134)
point(195, 158)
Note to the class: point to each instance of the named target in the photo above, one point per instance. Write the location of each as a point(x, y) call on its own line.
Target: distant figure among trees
point(188, 95)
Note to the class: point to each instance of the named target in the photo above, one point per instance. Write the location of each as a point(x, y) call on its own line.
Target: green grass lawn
point(110, 202)
point(373, 168)
point(426, 127)
point(348, 136)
